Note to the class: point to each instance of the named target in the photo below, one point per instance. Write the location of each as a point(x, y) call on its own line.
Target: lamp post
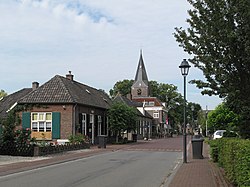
point(184, 71)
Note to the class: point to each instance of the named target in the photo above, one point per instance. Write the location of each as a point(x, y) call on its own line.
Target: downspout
point(74, 120)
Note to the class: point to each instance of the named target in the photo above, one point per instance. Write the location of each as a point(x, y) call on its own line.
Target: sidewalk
point(199, 172)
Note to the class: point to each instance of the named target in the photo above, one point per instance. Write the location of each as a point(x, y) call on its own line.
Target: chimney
point(70, 76)
point(35, 85)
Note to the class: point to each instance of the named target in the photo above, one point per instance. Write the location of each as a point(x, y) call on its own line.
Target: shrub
point(234, 156)
point(226, 157)
point(214, 150)
point(242, 166)
point(79, 138)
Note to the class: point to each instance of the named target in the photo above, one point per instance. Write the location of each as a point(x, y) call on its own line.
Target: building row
point(62, 107)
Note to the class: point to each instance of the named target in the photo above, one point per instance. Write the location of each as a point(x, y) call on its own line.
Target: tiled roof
point(127, 101)
point(148, 99)
point(131, 103)
point(8, 101)
point(62, 90)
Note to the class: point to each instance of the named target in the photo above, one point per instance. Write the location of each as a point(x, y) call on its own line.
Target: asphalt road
point(144, 168)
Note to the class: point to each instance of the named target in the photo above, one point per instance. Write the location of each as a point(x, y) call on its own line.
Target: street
point(146, 164)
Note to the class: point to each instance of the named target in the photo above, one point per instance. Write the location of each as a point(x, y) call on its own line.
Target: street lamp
point(184, 71)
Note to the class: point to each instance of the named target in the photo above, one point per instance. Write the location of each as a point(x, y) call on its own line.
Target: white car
point(218, 134)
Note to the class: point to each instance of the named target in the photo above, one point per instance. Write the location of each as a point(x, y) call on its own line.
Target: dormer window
point(156, 115)
point(151, 103)
point(87, 91)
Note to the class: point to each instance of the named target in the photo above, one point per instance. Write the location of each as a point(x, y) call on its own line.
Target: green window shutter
point(56, 125)
point(25, 120)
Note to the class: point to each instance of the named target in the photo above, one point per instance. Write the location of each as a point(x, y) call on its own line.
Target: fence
point(34, 150)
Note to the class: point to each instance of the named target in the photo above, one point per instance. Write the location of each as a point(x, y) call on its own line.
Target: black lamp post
point(184, 71)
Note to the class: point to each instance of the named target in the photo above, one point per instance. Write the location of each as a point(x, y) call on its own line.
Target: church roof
point(141, 74)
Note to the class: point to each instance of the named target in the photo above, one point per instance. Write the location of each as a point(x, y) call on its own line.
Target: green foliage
point(201, 119)
point(121, 117)
point(122, 87)
point(78, 138)
point(219, 42)
point(234, 156)
point(242, 167)
point(165, 92)
point(9, 125)
point(223, 118)
point(22, 136)
point(214, 150)
point(131, 119)
point(12, 135)
point(2, 93)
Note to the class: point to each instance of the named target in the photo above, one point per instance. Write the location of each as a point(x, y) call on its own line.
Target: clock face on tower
point(139, 91)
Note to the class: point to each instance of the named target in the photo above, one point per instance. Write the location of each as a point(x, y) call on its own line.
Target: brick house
point(8, 102)
point(63, 107)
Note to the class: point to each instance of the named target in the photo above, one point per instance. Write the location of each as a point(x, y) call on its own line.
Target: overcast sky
point(98, 40)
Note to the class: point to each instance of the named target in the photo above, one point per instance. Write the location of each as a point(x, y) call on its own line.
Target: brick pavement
point(199, 172)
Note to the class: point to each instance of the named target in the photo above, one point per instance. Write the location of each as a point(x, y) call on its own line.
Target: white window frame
point(84, 123)
point(41, 119)
point(91, 122)
point(156, 114)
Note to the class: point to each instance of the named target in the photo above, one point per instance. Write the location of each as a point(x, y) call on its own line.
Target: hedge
point(234, 156)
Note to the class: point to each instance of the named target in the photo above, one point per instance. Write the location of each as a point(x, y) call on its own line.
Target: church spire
point(141, 74)
point(140, 88)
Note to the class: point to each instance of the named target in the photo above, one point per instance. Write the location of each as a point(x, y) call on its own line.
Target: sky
point(99, 41)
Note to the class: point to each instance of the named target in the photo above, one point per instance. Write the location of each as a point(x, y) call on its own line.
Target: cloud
point(99, 41)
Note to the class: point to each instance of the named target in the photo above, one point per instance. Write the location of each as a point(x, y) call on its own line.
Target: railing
point(53, 149)
point(17, 149)
point(34, 150)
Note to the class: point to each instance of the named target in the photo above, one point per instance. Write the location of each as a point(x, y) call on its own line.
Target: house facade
point(144, 119)
point(63, 107)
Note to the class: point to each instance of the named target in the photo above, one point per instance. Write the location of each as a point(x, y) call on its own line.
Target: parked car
point(224, 133)
point(218, 134)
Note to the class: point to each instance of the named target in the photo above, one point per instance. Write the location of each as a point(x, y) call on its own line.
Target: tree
point(218, 40)
point(201, 120)
point(167, 93)
point(222, 119)
point(121, 117)
point(122, 87)
point(2, 93)
point(9, 125)
point(192, 114)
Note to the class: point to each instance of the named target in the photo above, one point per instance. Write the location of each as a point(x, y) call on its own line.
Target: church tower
point(140, 87)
